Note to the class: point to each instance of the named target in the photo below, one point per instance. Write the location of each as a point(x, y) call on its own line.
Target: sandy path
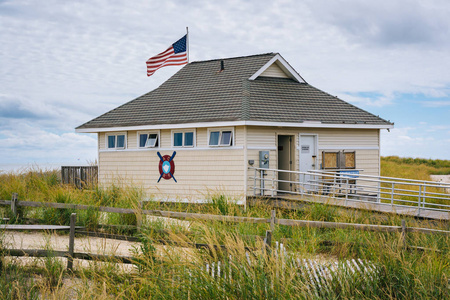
point(39, 240)
point(85, 244)
point(441, 178)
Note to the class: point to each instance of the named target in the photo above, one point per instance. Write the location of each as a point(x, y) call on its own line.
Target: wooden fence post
point(268, 241)
point(73, 219)
point(272, 220)
point(139, 216)
point(14, 204)
point(403, 236)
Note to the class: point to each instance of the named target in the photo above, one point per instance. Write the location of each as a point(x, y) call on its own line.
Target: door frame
point(292, 156)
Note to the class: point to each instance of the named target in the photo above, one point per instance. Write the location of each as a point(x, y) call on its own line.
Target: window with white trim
point(148, 139)
point(183, 138)
point(220, 137)
point(116, 141)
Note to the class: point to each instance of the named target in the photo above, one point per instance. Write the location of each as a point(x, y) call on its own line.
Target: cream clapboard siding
point(365, 143)
point(198, 171)
point(101, 140)
point(274, 71)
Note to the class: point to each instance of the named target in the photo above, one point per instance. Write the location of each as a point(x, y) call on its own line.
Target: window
point(148, 139)
point(220, 137)
point(330, 160)
point(183, 138)
point(339, 160)
point(116, 141)
point(348, 160)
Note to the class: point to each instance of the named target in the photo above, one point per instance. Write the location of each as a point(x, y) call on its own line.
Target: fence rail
point(272, 220)
point(80, 176)
point(71, 254)
point(427, 198)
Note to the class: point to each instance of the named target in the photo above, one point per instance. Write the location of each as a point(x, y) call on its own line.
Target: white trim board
point(261, 148)
point(174, 149)
point(305, 124)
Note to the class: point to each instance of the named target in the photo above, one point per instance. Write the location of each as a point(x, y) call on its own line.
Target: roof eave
point(305, 124)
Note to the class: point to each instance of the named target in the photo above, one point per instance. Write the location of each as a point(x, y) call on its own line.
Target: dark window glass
point(112, 141)
point(178, 139)
point(189, 139)
point(226, 138)
point(121, 141)
point(214, 138)
point(142, 140)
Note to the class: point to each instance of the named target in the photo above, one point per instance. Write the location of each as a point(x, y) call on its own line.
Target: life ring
point(166, 166)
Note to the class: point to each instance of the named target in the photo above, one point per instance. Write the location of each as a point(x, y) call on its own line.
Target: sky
point(63, 63)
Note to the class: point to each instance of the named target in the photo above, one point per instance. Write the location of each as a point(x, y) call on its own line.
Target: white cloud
point(38, 145)
point(376, 100)
point(410, 142)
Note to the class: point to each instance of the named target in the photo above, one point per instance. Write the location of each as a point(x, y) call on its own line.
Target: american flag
point(175, 55)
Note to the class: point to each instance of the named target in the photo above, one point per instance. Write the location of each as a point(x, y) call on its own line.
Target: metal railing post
point(261, 182)
point(273, 186)
point(420, 192)
point(346, 191)
point(300, 185)
point(254, 184)
point(424, 197)
point(392, 195)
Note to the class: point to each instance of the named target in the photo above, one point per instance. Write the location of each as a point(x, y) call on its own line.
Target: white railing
point(397, 192)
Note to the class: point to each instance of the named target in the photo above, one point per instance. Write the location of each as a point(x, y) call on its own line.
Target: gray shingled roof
point(200, 93)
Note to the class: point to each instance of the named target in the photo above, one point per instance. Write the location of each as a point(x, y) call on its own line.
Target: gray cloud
point(16, 108)
point(388, 23)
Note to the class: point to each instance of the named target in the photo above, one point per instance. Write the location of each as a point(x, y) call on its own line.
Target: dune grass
point(181, 272)
point(413, 168)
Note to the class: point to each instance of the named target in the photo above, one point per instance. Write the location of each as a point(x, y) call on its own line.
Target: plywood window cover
point(116, 135)
point(350, 160)
point(338, 160)
point(330, 160)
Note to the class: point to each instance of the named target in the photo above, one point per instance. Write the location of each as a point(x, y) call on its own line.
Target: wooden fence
point(221, 218)
point(14, 203)
point(71, 254)
point(81, 177)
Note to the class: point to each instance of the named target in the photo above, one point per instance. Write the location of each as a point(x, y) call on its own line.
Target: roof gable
point(277, 67)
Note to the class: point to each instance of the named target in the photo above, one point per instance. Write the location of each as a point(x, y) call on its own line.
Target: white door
point(308, 161)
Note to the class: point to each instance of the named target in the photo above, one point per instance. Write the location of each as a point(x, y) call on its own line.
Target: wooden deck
point(297, 201)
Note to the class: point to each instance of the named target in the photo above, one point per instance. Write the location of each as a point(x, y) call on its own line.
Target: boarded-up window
point(338, 160)
point(349, 160)
point(330, 160)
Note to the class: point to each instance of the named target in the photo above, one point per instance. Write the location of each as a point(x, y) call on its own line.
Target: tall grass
point(413, 168)
point(181, 272)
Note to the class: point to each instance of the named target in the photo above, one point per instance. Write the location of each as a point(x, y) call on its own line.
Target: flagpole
point(187, 42)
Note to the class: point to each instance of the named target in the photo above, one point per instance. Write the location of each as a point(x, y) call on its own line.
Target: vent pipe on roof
point(222, 66)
